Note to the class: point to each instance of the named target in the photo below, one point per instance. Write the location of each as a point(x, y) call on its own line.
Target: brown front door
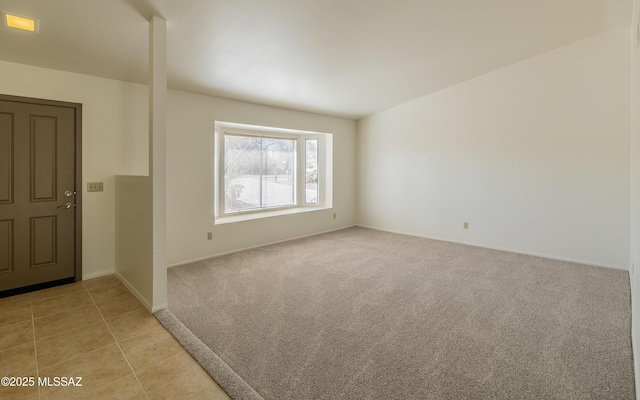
point(38, 184)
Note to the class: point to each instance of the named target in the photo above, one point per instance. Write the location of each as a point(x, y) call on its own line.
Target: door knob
point(67, 205)
point(69, 193)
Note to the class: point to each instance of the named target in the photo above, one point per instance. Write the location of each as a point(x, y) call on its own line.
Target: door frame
point(77, 107)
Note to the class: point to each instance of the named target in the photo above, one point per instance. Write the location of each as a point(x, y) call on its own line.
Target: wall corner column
point(158, 155)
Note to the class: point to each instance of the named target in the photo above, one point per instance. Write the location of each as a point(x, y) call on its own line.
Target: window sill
point(229, 219)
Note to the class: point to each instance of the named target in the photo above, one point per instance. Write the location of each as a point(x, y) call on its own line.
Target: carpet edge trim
point(236, 387)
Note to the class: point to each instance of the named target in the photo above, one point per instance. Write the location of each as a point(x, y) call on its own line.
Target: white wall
point(535, 156)
point(190, 138)
point(112, 110)
point(115, 142)
point(134, 235)
point(635, 193)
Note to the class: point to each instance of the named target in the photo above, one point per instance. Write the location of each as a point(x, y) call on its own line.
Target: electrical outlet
point(466, 225)
point(209, 235)
point(94, 187)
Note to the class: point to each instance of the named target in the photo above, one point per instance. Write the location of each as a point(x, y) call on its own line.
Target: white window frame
point(325, 173)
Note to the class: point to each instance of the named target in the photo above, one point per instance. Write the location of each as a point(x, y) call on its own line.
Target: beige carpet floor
point(364, 314)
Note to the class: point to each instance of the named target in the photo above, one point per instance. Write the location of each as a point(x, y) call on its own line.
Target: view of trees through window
point(259, 172)
point(311, 164)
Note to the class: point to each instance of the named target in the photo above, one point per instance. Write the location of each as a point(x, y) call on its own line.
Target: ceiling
point(347, 58)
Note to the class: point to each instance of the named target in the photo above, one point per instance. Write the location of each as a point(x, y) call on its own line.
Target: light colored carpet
point(364, 314)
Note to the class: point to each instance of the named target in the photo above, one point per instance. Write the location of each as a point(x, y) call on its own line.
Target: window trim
point(325, 150)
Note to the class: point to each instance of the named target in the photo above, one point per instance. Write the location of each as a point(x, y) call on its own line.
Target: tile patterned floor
point(97, 330)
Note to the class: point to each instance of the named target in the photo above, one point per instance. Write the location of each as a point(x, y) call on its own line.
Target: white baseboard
point(160, 307)
point(144, 301)
point(257, 246)
point(98, 274)
point(133, 291)
point(635, 340)
point(594, 264)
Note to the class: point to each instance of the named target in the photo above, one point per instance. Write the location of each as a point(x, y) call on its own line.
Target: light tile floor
point(97, 330)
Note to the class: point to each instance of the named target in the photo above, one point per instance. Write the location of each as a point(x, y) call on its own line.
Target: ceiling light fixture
point(20, 22)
